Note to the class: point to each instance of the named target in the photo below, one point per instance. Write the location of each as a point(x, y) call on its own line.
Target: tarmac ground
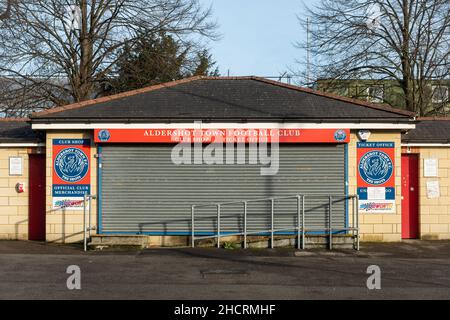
point(408, 270)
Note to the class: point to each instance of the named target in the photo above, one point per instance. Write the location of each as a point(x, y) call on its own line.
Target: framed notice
point(433, 191)
point(15, 166)
point(376, 193)
point(430, 167)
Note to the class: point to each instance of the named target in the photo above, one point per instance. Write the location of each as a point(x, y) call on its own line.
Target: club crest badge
point(71, 164)
point(340, 135)
point(104, 135)
point(375, 167)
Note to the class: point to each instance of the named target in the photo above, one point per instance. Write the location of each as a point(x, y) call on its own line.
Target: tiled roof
point(17, 130)
point(429, 130)
point(223, 98)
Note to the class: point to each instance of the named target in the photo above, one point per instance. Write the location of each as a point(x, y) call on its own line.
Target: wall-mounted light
point(364, 135)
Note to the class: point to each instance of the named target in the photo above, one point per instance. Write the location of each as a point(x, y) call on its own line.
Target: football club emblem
point(104, 135)
point(340, 135)
point(375, 167)
point(71, 164)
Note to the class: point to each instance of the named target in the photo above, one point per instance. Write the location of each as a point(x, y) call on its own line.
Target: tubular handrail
point(242, 201)
point(300, 228)
point(87, 230)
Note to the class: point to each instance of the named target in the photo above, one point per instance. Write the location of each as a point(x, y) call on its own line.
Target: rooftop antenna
point(308, 53)
point(283, 75)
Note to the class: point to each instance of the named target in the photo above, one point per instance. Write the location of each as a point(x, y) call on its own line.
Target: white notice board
point(430, 167)
point(15, 166)
point(433, 191)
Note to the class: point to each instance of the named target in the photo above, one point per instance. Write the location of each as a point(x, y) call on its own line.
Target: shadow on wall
point(64, 236)
point(17, 232)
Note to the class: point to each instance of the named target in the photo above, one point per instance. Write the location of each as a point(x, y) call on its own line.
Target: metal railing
point(300, 228)
point(87, 227)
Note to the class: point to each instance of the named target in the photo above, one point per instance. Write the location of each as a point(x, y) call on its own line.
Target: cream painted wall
point(13, 205)
point(434, 214)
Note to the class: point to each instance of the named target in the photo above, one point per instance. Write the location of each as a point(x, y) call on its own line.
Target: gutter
point(426, 144)
point(21, 144)
point(224, 125)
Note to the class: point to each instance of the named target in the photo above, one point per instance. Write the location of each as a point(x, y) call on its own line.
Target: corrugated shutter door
point(144, 192)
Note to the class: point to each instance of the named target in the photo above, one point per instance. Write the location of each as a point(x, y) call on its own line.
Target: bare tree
point(403, 40)
point(79, 42)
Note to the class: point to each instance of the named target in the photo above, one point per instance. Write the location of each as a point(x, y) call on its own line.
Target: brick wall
point(434, 214)
point(13, 205)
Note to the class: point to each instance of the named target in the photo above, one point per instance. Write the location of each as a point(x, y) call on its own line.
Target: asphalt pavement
point(408, 270)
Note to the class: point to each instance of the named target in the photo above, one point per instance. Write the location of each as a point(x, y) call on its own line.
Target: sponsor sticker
point(378, 206)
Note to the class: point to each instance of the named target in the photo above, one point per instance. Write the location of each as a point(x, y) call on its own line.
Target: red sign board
point(376, 177)
point(376, 164)
point(71, 172)
point(222, 135)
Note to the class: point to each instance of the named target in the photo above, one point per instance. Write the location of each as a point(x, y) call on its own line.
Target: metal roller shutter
point(142, 191)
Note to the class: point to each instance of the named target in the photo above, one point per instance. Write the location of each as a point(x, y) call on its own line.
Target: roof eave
point(447, 141)
point(230, 119)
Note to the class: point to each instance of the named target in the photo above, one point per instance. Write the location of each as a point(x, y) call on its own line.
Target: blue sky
point(258, 36)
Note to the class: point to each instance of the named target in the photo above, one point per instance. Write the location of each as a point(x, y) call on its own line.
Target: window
point(375, 94)
point(440, 94)
point(342, 91)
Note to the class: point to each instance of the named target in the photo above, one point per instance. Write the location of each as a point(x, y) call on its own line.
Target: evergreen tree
point(157, 59)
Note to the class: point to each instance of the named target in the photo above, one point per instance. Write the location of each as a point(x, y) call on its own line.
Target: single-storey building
point(426, 179)
point(22, 188)
point(220, 144)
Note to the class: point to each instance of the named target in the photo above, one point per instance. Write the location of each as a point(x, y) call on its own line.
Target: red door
point(36, 213)
point(410, 196)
